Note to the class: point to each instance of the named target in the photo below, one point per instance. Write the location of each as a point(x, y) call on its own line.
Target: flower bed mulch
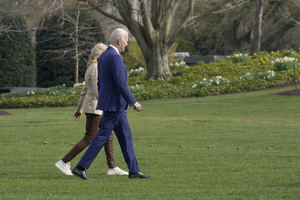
point(295, 92)
point(4, 113)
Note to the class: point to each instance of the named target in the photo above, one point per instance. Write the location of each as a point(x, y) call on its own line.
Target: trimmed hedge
point(256, 72)
point(17, 61)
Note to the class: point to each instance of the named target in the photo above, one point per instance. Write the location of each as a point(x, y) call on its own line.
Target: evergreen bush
point(184, 45)
point(17, 61)
point(133, 57)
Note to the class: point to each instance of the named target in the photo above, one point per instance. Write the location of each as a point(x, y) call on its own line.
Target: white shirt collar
point(115, 48)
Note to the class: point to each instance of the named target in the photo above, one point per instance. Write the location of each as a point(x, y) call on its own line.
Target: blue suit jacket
point(114, 94)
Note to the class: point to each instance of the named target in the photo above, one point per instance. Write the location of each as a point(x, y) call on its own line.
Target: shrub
point(52, 91)
point(184, 45)
point(136, 88)
point(289, 53)
point(176, 65)
point(136, 72)
point(285, 63)
point(239, 58)
point(200, 62)
point(218, 80)
point(268, 75)
point(17, 62)
point(133, 57)
point(53, 96)
point(247, 76)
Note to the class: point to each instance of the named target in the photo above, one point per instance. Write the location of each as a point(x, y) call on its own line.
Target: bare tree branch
point(183, 23)
point(146, 17)
point(286, 14)
point(103, 12)
point(229, 6)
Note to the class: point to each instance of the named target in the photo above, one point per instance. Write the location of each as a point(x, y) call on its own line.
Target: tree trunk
point(76, 47)
point(157, 64)
point(256, 32)
point(153, 26)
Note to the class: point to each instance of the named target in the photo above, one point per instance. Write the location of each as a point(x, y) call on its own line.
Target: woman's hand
point(77, 116)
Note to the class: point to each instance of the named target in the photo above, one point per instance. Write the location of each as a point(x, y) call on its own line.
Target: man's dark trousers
point(117, 122)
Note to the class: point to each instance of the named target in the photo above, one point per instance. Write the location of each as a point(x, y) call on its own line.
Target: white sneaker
point(64, 167)
point(116, 171)
point(69, 166)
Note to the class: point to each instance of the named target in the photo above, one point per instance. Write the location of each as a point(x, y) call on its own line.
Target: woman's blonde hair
point(96, 51)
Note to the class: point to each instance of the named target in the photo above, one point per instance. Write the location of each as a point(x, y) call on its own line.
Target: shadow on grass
point(56, 176)
point(38, 177)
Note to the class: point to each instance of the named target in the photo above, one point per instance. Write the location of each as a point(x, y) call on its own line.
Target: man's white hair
point(116, 34)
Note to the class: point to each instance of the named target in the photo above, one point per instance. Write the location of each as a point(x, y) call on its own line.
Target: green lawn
point(189, 145)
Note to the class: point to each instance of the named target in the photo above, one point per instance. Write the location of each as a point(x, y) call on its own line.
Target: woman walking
point(87, 103)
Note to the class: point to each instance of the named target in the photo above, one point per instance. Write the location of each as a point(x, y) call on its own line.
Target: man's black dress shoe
point(139, 175)
point(81, 174)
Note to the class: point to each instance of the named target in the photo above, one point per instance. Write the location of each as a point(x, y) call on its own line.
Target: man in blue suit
point(114, 98)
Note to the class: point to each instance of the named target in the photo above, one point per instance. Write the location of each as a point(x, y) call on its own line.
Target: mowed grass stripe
point(238, 146)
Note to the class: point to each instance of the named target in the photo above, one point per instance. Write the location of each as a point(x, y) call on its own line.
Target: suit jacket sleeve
point(120, 79)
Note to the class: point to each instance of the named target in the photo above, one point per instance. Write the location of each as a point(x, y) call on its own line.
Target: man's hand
point(77, 116)
point(137, 106)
